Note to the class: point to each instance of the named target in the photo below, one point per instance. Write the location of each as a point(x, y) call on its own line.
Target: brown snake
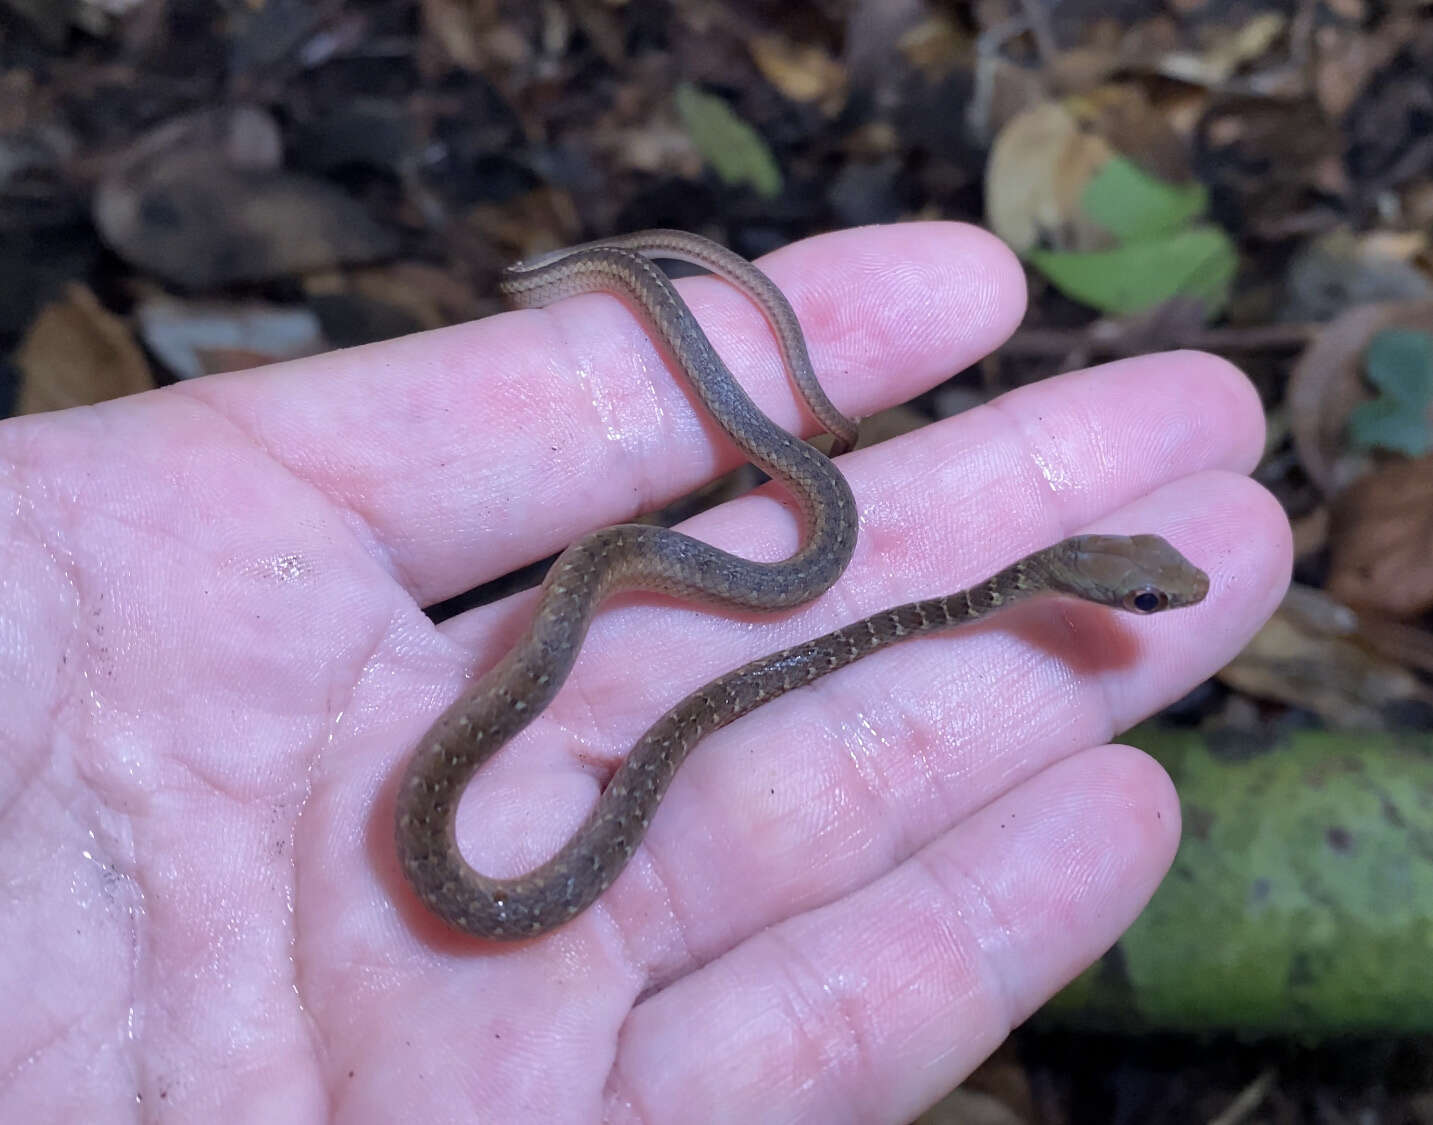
point(1142, 574)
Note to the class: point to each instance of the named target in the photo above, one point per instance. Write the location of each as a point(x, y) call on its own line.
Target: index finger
point(469, 451)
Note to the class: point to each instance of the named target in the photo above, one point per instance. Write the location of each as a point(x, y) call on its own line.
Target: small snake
point(1141, 574)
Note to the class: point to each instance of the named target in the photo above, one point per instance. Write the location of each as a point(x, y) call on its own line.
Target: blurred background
point(191, 187)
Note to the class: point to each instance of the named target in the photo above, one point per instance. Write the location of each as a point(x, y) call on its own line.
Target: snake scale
point(1141, 574)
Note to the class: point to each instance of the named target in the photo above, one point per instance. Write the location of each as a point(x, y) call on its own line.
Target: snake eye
point(1146, 600)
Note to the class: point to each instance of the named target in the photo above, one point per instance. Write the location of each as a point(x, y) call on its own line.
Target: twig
point(1105, 337)
point(1247, 1102)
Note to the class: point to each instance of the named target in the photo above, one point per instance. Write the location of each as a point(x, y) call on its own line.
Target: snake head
point(1138, 573)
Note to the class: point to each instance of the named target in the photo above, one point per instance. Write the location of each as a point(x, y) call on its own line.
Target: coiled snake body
point(1141, 574)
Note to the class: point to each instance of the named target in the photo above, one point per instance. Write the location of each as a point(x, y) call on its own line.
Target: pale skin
point(214, 659)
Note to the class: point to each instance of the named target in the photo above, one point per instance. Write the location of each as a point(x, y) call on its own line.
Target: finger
point(870, 764)
point(467, 452)
point(870, 1009)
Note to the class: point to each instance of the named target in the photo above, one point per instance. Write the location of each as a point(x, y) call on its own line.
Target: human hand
point(216, 662)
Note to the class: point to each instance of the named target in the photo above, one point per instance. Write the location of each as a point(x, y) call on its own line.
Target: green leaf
point(1197, 263)
point(1386, 423)
point(732, 147)
point(1301, 900)
point(1134, 206)
point(1399, 362)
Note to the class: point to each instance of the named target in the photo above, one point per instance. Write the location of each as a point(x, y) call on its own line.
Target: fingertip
point(1138, 781)
point(892, 309)
point(1230, 395)
point(1241, 536)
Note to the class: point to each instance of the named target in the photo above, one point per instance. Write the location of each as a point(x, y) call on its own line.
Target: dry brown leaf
point(77, 353)
point(1382, 535)
point(473, 35)
point(966, 1107)
point(1084, 67)
point(660, 145)
point(1123, 115)
point(803, 72)
point(1038, 169)
point(890, 423)
point(1310, 655)
point(194, 338)
point(1405, 644)
point(1327, 383)
point(1004, 1077)
point(602, 23)
point(1350, 56)
point(934, 45)
point(1347, 58)
point(544, 219)
point(1342, 268)
point(1311, 532)
point(1227, 51)
point(434, 298)
point(198, 202)
point(1418, 204)
point(1045, 157)
point(1145, 42)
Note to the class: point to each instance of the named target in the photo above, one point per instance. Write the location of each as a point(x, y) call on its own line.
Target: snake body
point(1141, 574)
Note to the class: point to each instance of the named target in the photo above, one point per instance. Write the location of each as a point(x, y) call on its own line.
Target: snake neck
point(740, 692)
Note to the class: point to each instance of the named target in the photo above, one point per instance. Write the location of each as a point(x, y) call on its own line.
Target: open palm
point(214, 661)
